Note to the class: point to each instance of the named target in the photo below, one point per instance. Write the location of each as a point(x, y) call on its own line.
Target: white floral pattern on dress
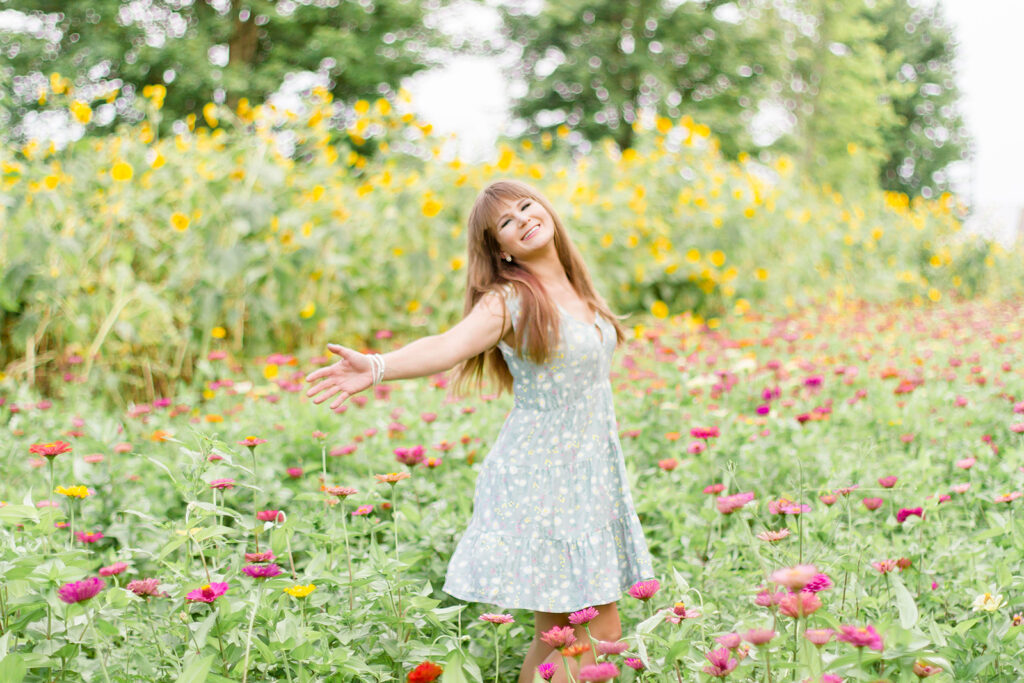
point(553, 527)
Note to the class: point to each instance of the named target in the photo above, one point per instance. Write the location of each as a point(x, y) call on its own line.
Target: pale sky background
point(470, 97)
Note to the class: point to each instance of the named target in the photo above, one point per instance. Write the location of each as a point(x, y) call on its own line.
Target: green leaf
point(18, 513)
point(453, 672)
point(12, 668)
point(904, 602)
point(196, 671)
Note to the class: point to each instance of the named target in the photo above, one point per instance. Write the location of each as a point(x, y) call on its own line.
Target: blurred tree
point(209, 49)
point(595, 64)
point(929, 133)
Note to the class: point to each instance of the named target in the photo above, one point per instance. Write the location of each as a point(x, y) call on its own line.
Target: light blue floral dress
point(554, 528)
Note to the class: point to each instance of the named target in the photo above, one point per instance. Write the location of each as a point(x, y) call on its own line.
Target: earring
point(508, 257)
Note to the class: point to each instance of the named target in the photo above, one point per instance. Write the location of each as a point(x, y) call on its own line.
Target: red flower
point(50, 450)
point(425, 673)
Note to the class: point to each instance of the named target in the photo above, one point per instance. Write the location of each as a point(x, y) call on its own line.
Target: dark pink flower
point(720, 663)
point(887, 482)
point(80, 591)
point(583, 616)
point(261, 571)
point(270, 516)
point(819, 583)
point(644, 590)
point(207, 593)
point(88, 536)
point(729, 504)
point(903, 513)
point(634, 663)
point(873, 503)
point(865, 636)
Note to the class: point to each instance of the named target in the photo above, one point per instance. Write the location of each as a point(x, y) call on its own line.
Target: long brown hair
point(538, 323)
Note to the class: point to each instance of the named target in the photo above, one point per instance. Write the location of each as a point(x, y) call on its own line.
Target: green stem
point(248, 637)
point(497, 655)
point(49, 498)
point(568, 671)
point(348, 559)
point(99, 656)
point(220, 636)
point(593, 643)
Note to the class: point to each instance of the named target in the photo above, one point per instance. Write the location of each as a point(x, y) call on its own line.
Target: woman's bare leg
point(605, 627)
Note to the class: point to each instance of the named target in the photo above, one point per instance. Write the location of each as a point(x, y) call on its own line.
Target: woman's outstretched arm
point(474, 334)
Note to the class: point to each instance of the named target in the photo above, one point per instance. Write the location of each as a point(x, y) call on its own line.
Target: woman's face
point(524, 228)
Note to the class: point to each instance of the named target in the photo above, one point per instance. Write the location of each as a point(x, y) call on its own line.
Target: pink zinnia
point(644, 590)
point(887, 482)
point(861, 637)
point(362, 510)
point(559, 636)
point(146, 588)
point(767, 599)
point(668, 464)
point(799, 604)
point(80, 591)
point(222, 484)
point(605, 671)
point(773, 536)
point(251, 442)
point(704, 432)
point(547, 671)
point(207, 593)
point(729, 640)
point(819, 636)
point(819, 583)
point(714, 489)
point(903, 513)
point(828, 498)
point(605, 647)
point(721, 663)
point(261, 571)
point(966, 463)
point(294, 472)
point(759, 636)
point(729, 504)
point(696, 448)
point(270, 516)
point(872, 503)
point(794, 578)
point(257, 558)
point(634, 663)
point(88, 536)
point(498, 618)
point(583, 616)
point(114, 569)
point(784, 506)
point(960, 488)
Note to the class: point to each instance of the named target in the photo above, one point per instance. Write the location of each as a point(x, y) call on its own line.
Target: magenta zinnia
point(207, 593)
point(261, 571)
point(865, 636)
point(644, 590)
point(604, 671)
point(80, 591)
point(222, 484)
point(583, 616)
point(721, 663)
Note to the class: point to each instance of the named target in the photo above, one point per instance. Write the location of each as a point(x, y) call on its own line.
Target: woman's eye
point(526, 205)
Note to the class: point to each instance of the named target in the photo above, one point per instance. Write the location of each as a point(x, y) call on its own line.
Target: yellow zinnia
point(179, 221)
point(73, 491)
point(122, 171)
point(300, 591)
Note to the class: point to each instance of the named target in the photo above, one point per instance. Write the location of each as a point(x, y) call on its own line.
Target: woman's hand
point(347, 377)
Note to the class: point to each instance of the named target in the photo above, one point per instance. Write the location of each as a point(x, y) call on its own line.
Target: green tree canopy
point(595, 64)
point(210, 49)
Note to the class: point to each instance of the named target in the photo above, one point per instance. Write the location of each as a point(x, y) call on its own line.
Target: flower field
point(828, 495)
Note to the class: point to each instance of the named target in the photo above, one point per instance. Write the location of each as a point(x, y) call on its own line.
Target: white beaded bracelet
point(377, 363)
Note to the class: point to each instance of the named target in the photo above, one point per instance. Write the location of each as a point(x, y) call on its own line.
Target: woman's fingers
point(341, 399)
point(331, 388)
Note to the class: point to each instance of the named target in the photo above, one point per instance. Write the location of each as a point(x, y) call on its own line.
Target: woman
point(553, 528)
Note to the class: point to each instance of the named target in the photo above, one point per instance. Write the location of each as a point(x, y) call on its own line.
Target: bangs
point(491, 202)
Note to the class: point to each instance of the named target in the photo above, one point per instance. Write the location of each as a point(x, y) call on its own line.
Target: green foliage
point(357, 47)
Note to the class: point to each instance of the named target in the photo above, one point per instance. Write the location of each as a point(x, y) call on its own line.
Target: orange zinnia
point(392, 477)
point(575, 650)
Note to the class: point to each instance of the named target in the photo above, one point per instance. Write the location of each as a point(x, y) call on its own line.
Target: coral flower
point(794, 578)
point(605, 671)
point(222, 484)
point(644, 590)
point(575, 650)
point(799, 604)
point(145, 588)
point(270, 516)
point(773, 536)
point(559, 637)
point(583, 616)
point(784, 506)
point(114, 569)
point(721, 663)
point(714, 489)
point(828, 498)
point(668, 464)
point(93, 458)
point(865, 636)
point(872, 503)
point(80, 591)
point(1008, 497)
point(425, 672)
point(547, 671)
point(392, 477)
point(261, 571)
point(819, 636)
point(50, 450)
point(497, 618)
point(251, 442)
point(207, 593)
point(89, 536)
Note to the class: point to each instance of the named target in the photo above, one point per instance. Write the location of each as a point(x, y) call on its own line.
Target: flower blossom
point(720, 663)
point(559, 636)
point(605, 671)
point(865, 636)
point(207, 593)
point(80, 591)
point(644, 590)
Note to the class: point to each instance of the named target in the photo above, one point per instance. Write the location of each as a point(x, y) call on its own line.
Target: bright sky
point(470, 97)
